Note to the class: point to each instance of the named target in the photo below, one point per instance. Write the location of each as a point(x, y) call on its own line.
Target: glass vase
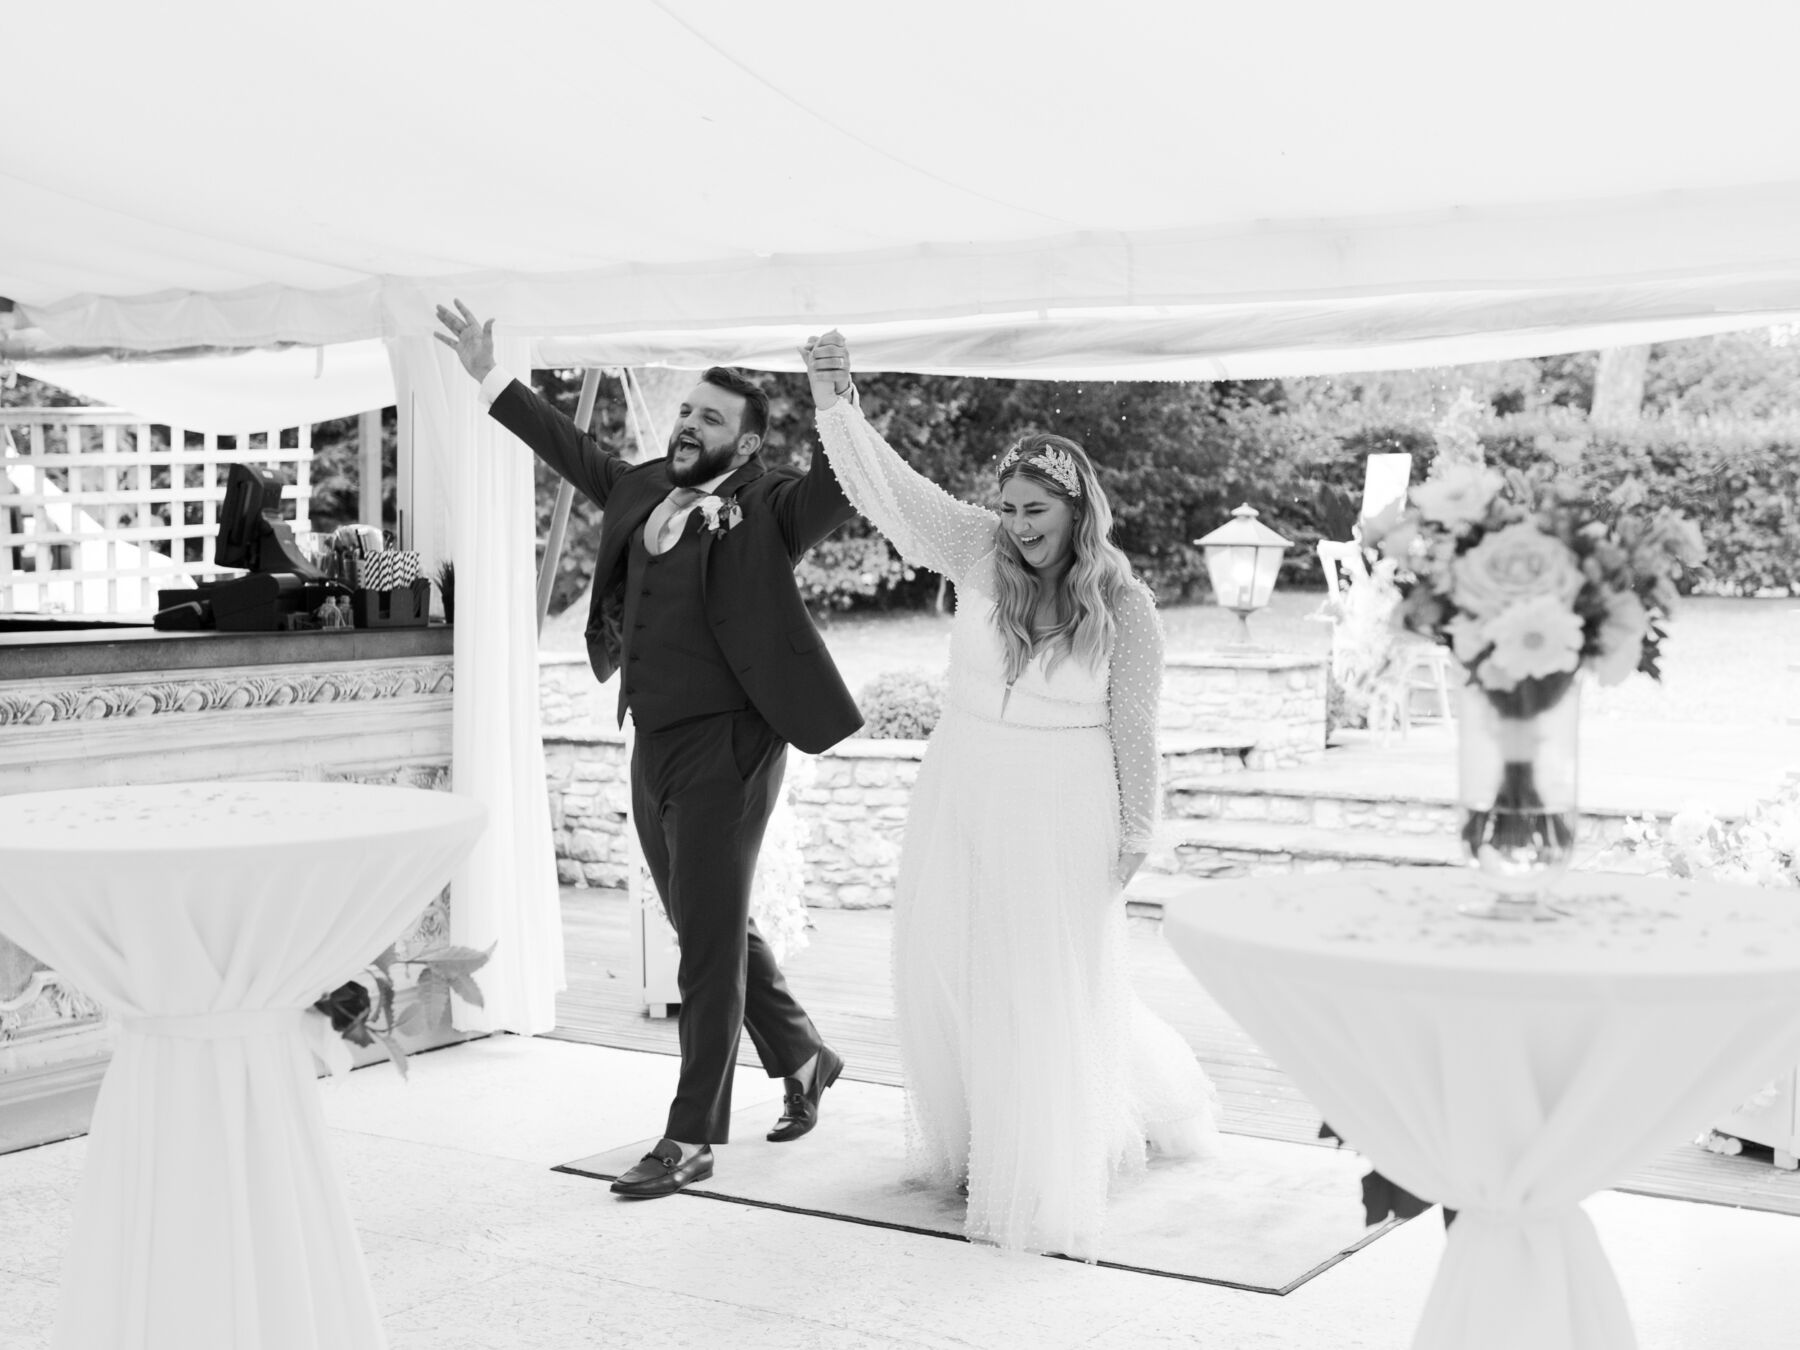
point(1517, 768)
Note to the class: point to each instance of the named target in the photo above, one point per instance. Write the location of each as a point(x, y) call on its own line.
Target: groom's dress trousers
point(704, 779)
point(721, 668)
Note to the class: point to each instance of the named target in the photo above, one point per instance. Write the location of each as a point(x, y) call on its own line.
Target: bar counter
point(111, 650)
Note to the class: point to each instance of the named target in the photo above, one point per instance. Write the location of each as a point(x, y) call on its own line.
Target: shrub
point(1738, 481)
point(901, 705)
point(847, 569)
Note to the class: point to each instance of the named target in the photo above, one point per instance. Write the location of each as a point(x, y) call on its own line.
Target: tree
point(1619, 385)
point(1743, 375)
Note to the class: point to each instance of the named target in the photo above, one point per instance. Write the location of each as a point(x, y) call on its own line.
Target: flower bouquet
point(1529, 583)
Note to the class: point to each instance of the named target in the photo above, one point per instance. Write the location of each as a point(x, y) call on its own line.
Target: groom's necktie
point(668, 518)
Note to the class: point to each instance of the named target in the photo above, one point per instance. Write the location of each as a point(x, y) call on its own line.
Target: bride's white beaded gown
point(1031, 1068)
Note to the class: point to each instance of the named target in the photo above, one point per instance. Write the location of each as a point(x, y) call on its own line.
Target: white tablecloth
point(207, 916)
point(1507, 1070)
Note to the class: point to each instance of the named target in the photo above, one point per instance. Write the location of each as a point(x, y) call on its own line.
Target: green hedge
point(901, 705)
point(1177, 458)
point(1738, 481)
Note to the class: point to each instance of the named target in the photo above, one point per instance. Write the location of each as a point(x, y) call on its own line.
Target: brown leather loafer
point(661, 1172)
point(800, 1107)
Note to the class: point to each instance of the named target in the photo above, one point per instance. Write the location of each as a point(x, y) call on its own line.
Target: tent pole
point(368, 489)
point(565, 498)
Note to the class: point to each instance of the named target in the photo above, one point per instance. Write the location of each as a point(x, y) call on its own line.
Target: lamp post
point(1243, 558)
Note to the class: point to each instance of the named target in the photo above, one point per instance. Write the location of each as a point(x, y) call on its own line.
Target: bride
point(1034, 1075)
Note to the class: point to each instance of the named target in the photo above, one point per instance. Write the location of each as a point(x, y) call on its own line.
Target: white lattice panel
point(99, 509)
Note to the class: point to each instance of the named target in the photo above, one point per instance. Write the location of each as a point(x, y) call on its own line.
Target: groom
point(695, 602)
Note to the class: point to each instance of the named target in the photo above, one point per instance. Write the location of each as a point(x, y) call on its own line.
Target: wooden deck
point(844, 981)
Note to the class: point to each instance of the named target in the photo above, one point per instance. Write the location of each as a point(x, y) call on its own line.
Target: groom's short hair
point(755, 419)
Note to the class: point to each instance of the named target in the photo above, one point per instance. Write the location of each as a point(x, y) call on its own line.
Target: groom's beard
point(708, 464)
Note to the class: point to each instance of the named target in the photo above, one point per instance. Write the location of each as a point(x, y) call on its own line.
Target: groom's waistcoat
point(746, 590)
point(673, 667)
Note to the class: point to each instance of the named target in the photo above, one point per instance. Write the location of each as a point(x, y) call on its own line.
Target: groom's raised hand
point(469, 338)
point(827, 367)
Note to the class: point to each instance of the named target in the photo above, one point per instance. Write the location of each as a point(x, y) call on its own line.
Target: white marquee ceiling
point(1137, 188)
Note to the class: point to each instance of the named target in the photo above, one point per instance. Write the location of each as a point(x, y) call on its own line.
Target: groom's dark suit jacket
point(747, 573)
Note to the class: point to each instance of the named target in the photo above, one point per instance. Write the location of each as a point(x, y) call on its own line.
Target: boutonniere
point(720, 513)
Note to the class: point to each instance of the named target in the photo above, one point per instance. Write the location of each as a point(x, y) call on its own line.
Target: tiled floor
point(473, 1242)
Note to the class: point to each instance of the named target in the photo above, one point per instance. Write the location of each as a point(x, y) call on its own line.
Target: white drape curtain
point(474, 502)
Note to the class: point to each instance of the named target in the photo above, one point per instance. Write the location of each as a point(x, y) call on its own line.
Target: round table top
point(1400, 922)
point(221, 817)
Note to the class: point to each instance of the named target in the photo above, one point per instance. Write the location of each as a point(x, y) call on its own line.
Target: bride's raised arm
point(931, 528)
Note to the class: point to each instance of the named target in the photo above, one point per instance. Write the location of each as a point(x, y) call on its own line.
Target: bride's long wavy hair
point(1087, 589)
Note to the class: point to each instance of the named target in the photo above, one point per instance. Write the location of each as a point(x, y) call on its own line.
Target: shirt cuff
point(497, 379)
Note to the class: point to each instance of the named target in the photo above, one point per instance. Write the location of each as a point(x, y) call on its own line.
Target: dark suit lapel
point(625, 518)
point(746, 473)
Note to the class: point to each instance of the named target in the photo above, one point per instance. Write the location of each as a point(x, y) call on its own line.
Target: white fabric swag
point(476, 505)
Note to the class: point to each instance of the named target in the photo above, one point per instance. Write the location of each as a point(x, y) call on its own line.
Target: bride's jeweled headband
point(1053, 460)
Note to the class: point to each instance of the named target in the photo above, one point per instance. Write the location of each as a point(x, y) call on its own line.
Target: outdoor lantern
point(1243, 558)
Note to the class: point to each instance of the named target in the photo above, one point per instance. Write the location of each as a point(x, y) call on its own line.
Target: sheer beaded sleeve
point(931, 528)
point(1134, 694)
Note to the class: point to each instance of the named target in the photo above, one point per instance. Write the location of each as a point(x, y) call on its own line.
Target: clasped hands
point(827, 361)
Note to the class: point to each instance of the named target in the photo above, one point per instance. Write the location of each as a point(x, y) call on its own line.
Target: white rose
point(1459, 496)
point(1690, 825)
point(1517, 563)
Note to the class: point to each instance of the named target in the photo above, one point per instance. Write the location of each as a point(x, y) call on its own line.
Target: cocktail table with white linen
point(1507, 1070)
point(207, 917)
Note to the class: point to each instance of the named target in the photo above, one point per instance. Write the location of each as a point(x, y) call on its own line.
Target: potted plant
point(361, 1012)
point(446, 584)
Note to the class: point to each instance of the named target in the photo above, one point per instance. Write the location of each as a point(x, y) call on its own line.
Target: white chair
point(1348, 557)
point(1425, 667)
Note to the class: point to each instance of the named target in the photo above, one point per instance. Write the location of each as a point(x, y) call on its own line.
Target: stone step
point(1192, 758)
point(1234, 848)
point(1210, 850)
point(1252, 798)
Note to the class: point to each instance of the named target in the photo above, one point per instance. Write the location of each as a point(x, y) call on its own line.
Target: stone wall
point(567, 694)
point(1220, 714)
point(590, 791)
point(1268, 705)
point(849, 804)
